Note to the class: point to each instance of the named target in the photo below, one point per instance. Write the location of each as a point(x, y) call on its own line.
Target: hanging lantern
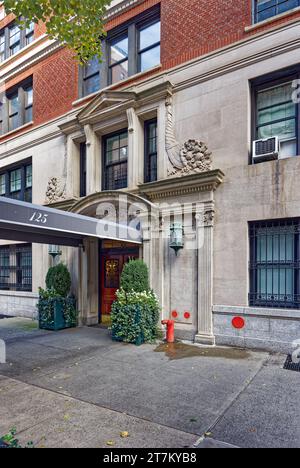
point(176, 237)
point(54, 251)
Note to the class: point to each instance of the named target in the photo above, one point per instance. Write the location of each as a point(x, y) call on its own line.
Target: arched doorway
point(102, 262)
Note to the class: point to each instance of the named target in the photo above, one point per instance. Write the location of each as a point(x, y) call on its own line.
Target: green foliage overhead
point(59, 280)
point(135, 277)
point(76, 23)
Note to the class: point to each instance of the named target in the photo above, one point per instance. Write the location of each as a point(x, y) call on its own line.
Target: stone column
point(205, 224)
point(73, 168)
point(135, 162)
point(93, 160)
point(89, 283)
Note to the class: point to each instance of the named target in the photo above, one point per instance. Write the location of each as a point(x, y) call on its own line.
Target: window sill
point(12, 132)
point(117, 85)
point(272, 20)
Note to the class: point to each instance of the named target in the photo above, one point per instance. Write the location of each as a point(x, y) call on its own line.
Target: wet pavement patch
point(175, 351)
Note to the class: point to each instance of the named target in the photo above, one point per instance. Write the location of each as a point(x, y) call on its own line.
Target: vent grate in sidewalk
point(290, 365)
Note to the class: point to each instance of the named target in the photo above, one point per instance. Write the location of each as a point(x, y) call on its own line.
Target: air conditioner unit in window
point(265, 150)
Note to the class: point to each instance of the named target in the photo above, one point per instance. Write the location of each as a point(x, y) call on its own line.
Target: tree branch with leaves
point(79, 25)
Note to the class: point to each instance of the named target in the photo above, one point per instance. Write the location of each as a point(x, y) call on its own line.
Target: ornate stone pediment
point(106, 102)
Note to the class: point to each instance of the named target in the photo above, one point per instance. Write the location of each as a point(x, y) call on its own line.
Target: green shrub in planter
point(58, 279)
point(135, 277)
point(135, 317)
point(56, 310)
point(56, 313)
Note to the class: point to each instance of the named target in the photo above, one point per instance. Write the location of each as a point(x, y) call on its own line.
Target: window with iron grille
point(151, 151)
point(16, 182)
point(16, 268)
point(275, 264)
point(265, 9)
point(115, 161)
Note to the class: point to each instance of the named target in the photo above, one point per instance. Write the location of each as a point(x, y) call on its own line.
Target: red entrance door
point(111, 269)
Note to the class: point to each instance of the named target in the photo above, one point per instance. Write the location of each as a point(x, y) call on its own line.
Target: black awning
point(21, 221)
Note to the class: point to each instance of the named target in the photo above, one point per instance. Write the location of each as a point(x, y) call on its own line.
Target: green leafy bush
point(11, 442)
point(135, 277)
point(135, 317)
point(59, 280)
point(135, 314)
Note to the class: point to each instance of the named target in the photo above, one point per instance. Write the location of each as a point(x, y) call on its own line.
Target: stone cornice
point(122, 7)
point(180, 186)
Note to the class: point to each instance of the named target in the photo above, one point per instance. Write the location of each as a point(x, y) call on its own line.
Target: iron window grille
point(116, 161)
point(16, 268)
point(151, 151)
point(129, 49)
point(16, 182)
point(265, 9)
point(275, 264)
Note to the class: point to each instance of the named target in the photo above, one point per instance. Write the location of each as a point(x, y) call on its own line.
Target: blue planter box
point(57, 321)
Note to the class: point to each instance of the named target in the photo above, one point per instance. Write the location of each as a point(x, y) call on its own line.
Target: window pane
point(2, 184)
point(92, 67)
point(30, 34)
point(150, 35)
point(28, 96)
point(15, 180)
point(91, 84)
point(28, 176)
point(267, 8)
point(13, 122)
point(2, 47)
point(13, 104)
point(14, 40)
point(119, 50)
point(119, 72)
point(150, 59)
point(276, 114)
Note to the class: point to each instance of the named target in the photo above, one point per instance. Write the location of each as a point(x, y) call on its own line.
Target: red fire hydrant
point(170, 324)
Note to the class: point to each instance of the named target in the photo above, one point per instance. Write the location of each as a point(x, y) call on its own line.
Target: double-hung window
point(265, 9)
point(17, 108)
point(151, 151)
point(115, 161)
point(275, 263)
point(13, 39)
point(276, 114)
point(128, 50)
point(149, 46)
point(118, 59)
point(13, 111)
point(16, 182)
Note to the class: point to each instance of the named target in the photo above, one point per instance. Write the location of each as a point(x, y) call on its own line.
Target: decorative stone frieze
point(190, 158)
point(56, 191)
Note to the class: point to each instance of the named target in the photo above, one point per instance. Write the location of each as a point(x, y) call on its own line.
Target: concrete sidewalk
point(78, 388)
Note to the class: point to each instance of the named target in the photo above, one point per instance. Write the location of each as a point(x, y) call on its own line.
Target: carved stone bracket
point(55, 192)
point(192, 157)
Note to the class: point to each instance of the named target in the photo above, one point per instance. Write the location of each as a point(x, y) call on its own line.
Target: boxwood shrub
point(135, 313)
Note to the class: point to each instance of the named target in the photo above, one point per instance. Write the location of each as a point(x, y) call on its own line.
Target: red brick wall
point(190, 28)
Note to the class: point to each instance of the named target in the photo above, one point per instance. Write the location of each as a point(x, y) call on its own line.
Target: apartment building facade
point(190, 125)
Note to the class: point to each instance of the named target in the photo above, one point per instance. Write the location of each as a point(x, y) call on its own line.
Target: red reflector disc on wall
point(238, 323)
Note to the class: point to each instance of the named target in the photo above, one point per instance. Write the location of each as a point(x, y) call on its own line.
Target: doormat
point(290, 365)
